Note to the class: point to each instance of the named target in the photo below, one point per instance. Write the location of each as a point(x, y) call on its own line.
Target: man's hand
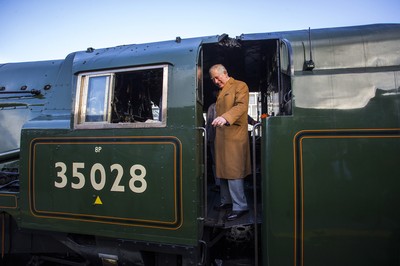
point(219, 122)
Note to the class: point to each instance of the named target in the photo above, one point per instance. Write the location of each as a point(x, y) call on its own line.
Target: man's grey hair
point(219, 68)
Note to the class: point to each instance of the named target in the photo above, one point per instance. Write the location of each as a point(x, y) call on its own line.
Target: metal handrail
point(33, 92)
point(255, 194)
point(205, 170)
point(9, 155)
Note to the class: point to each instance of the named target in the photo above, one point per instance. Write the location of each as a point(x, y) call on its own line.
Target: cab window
point(134, 97)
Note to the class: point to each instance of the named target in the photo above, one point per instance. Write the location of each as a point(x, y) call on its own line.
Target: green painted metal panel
point(348, 184)
point(9, 201)
point(117, 180)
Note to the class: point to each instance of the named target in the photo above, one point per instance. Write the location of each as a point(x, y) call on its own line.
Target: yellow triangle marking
point(98, 201)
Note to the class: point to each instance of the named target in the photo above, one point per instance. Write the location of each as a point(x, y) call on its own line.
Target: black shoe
point(223, 206)
point(235, 214)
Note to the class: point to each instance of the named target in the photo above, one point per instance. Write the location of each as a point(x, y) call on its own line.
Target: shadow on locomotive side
point(104, 157)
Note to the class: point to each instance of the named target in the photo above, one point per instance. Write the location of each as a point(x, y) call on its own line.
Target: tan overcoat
point(232, 148)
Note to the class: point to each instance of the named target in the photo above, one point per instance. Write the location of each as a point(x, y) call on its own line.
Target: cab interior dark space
point(258, 63)
point(137, 96)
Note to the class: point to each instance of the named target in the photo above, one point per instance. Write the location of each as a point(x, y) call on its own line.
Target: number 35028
point(98, 177)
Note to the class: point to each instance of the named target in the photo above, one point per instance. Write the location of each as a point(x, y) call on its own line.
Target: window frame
point(107, 102)
point(286, 57)
point(82, 93)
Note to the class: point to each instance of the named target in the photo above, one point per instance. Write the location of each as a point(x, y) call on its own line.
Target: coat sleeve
point(240, 104)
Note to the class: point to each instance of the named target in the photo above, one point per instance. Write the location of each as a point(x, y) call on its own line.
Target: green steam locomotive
point(105, 157)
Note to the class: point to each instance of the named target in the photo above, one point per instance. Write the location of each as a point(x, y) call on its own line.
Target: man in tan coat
point(232, 149)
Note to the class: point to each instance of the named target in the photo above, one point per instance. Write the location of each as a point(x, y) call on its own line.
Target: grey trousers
point(232, 192)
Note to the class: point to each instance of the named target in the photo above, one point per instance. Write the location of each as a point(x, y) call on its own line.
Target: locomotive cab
point(121, 137)
point(265, 65)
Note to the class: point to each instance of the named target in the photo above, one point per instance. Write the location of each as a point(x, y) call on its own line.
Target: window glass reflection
point(96, 99)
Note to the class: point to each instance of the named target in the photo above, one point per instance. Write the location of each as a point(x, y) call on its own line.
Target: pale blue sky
point(32, 30)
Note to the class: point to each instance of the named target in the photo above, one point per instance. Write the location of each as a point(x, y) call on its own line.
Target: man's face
point(219, 79)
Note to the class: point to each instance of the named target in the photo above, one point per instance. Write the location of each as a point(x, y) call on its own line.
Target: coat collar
point(228, 84)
